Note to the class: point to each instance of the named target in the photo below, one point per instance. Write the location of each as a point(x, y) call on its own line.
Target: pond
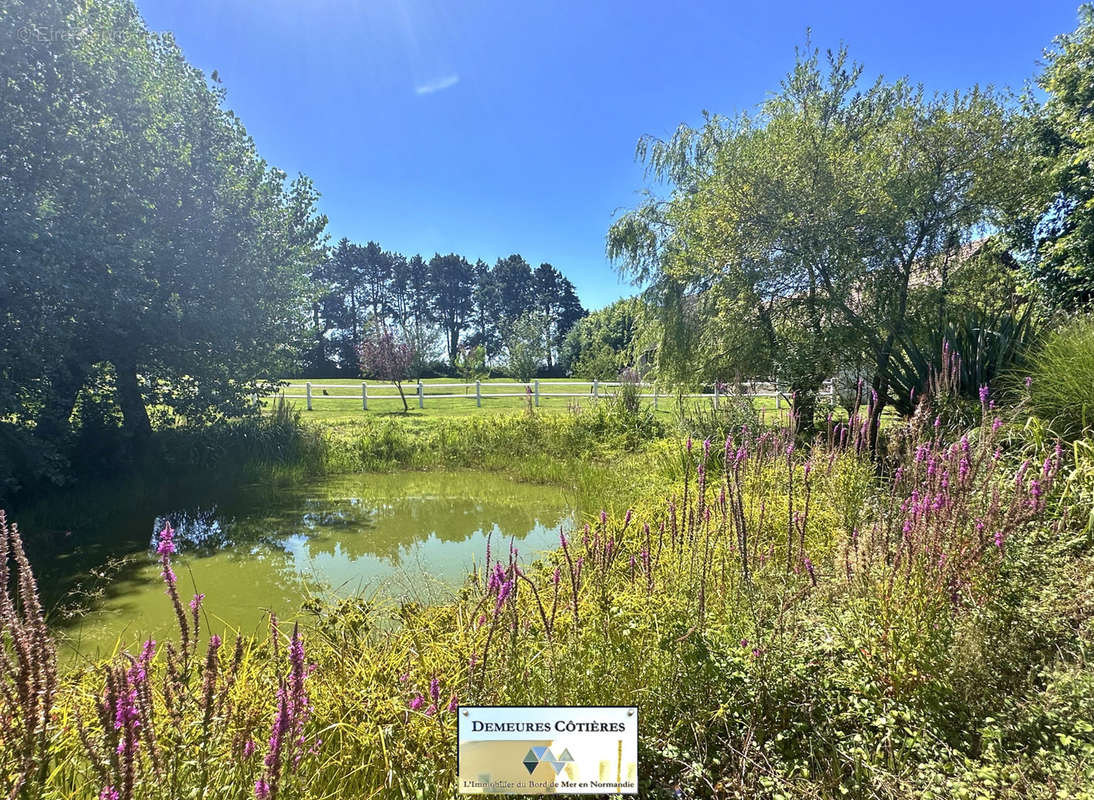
point(251, 549)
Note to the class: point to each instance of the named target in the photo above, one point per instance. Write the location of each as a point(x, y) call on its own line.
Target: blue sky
point(487, 127)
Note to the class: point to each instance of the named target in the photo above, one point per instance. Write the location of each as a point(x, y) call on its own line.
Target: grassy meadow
point(792, 621)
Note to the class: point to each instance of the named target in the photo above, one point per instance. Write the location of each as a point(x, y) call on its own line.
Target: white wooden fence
point(536, 390)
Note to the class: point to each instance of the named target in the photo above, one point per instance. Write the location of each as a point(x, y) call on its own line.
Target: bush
point(1062, 387)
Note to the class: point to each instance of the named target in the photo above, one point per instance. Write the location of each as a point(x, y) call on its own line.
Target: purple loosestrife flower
point(453, 704)
point(1029, 381)
point(166, 545)
point(435, 689)
point(429, 712)
point(503, 594)
point(416, 702)
point(262, 789)
point(195, 604)
point(984, 394)
point(248, 748)
point(603, 517)
point(706, 448)
point(688, 445)
point(108, 793)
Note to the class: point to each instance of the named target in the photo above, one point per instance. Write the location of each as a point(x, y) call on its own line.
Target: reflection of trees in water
point(354, 527)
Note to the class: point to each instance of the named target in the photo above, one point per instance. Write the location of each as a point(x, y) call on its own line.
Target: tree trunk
point(399, 386)
point(134, 414)
point(804, 408)
point(64, 388)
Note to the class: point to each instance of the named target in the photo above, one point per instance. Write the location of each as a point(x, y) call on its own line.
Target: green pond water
point(251, 549)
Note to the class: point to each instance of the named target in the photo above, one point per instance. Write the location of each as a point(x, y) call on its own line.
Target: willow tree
point(791, 238)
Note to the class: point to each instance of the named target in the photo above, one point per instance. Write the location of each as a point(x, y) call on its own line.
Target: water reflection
point(400, 535)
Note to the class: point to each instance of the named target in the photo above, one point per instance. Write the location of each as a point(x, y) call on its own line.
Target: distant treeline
point(449, 307)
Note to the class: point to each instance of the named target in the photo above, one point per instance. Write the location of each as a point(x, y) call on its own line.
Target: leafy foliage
point(987, 348)
point(1060, 222)
point(389, 357)
point(793, 237)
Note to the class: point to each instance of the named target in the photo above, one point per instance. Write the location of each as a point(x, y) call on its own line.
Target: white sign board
point(548, 750)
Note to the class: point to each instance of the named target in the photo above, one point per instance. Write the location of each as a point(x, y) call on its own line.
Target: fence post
point(832, 392)
point(307, 389)
point(478, 393)
point(364, 396)
point(537, 391)
point(421, 396)
point(715, 395)
point(778, 397)
point(596, 388)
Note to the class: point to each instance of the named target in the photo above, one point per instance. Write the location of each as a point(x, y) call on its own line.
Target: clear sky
point(488, 127)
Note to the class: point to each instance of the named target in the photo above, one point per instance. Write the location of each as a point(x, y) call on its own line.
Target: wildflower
point(416, 702)
point(248, 748)
point(603, 517)
point(627, 517)
point(262, 789)
point(429, 712)
point(108, 793)
point(984, 394)
point(706, 448)
point(1029, 381)
point(503, 594)
point(435, 689)
point(999, 540)
point(453, 704)
point(744, 642)
point(688, 445)
point(996, 424)
point(195, 604)
point(166, 540)
point(809, 568)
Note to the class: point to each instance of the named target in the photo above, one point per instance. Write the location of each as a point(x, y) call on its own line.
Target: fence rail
point(535, 390)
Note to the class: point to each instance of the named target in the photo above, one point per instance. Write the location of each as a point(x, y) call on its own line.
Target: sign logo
point(534, 750)
point(543, 754)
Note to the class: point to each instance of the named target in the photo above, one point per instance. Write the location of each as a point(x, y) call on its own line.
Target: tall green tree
point(556, 307)
point(514, 291)
point(603, 343)
point(452, 282)
point(145, 231)
point(801, 230)
point(1059, 222)
point(485, 304)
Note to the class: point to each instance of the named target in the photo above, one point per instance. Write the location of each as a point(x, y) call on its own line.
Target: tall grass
point(790, 623)
point(1061, 385)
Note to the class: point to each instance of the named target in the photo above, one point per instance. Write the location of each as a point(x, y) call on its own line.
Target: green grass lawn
point(343, 401)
